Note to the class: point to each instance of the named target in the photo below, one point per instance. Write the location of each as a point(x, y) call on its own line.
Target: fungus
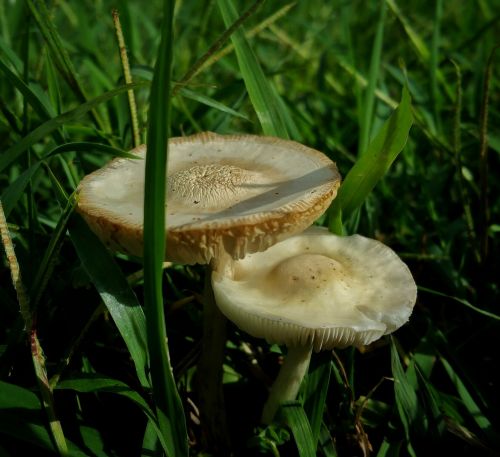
point(226, 196)
point(316, 291)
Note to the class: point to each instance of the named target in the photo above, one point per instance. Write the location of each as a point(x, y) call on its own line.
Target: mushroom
point(316, 291)
point(227, 196)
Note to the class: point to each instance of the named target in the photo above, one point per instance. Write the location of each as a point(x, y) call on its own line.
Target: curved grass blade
point(114, 290)
point(295, 417)
point(462, 301)
point(259, 90)
point(373, 164)
point(99, 383)
point(48, 127)
point(168, 403)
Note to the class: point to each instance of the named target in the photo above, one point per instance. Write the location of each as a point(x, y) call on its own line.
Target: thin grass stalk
point(128, 79)
point(457, 148)
point(483, 160)
point(168, 404)
point(369, 101)
point(30, 328)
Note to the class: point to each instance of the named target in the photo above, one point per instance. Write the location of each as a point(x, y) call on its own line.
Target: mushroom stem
point(287, 384)
point(209, 372)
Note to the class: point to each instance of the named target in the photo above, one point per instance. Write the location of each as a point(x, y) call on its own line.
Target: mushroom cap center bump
point(318, 289)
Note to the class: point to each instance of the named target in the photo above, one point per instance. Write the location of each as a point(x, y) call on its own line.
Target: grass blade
point(59, 55)
point(405, 395)
point(296, 418)
point(115, 292)
point(261, 94)
point(369, 102)
point(47, 127)
point(373, 164)
point(168, 403)
point(318, 380)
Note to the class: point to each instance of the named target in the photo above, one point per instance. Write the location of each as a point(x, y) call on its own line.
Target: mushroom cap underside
point(318, 289)
point(230, 194)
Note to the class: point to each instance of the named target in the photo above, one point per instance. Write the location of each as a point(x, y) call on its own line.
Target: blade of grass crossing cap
point(168, 403)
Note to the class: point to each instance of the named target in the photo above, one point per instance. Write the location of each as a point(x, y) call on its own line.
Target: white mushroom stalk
point(316, 291)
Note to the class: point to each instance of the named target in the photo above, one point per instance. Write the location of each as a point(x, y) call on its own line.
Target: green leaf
point(295, 417)
point(373, 164)
point(259, 88)
point(120, 300)
point(168, 403)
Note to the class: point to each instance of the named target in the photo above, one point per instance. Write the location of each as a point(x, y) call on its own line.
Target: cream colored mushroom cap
point(225, 195)
point(318, 289)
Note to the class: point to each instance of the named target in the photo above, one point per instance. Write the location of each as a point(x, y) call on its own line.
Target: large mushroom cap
point(225, 194)
point(318, 289)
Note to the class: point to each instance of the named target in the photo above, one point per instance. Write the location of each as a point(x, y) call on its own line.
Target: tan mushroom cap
point(318, 289)
point(225, 194)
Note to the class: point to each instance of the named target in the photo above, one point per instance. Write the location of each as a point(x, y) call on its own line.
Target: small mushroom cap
point(225, 195)
point(318, 289)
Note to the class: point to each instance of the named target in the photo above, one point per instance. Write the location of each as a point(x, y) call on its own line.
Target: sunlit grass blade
point(168, 403)
point(369, 99)
point(115, 292)
point(295, 417)
point(11, 154)
point(373, 164)
point(261, 95)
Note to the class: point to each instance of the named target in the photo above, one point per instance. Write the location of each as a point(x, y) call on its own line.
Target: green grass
point(328, 74)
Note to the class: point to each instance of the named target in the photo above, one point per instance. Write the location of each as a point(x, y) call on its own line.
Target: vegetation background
point(70, 365)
